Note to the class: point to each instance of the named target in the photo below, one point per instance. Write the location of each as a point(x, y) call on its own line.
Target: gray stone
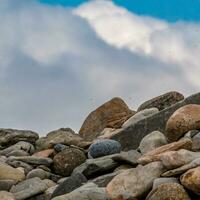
point(152, 141)
point(87, 192)
point(196, 142)
point(28, 188)
point(5, 185)
point(140, 116)
point(12, 136)
point(136, 132)
point(103, 148)
point(70, 184)
point(60, 147)
point(159, 181)
point(38, 173)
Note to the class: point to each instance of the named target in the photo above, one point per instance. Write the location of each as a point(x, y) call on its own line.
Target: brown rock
point(183, 120)
point(191, 180)
point(6, 195)
point(163, 101)
point(167, 191)
point(45, 153)
point(111, 114)
point(155, 154)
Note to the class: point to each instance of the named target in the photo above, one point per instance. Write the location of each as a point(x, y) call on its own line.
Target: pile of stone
point(119, 154)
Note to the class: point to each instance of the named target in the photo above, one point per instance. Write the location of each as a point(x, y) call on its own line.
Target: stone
point(49, 183)
point(45, 153)
point(129, 157)
point(98, 166)
point(140, 116)
point(40, 173)
point(182, 169)
point(123, 167)
point(155, 122)
point(162, 180)
point(155, 154)
point(183, 120)
point(19, 146)
point(64, 136)
point(17, 153)
point(175, 159)
point(28, 188)
point(103, 148)
point(196, 142)
point(50, 191)
point(6, 195)
point(168, 191)
point(65, 161)
point(60, 147)
point(32, 160)
point(12, 136)
point(134, 183)
point(86, 192)
point(152, 141)
point(5, 185)
point(107, 133)
point(111, 114)
point(73, 182)
point(8, 172)
point(191, 180)
point(163, 101)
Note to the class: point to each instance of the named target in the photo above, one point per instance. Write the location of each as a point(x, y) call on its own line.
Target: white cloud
point(57, 64)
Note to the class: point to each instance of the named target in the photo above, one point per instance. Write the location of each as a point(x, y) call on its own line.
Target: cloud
point(58, 64)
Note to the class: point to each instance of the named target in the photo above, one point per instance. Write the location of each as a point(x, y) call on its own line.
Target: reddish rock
point(46, 153)
point(112, 114)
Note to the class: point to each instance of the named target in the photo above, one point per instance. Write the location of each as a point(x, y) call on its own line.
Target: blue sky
point(170, 10)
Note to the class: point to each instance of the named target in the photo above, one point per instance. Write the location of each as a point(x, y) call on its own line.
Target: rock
point(65, 161)
point(112, 114)
point(87, 192)
point(19, 146)
point(17, 153)
point(73, 182)
point(168, 191)
point(49, 183)
point(134, 183)
point(60, 147)
point(129, 157)
point(28, 188)
point(155, 154)
point(196, 142)
point(99, 166)
point(183, 120)
point(174, 159)
point(32, 160)
point(61, 136)
point(50, 191)
point(182, 169)
point(163, 101)
point(5, 185)
point(40, 173)
point(107, 133)
point(140, 116)
point(123, 167)
point(159, 181)
point(8, 172)
point(12, 136)
point(45, 153)
point(155, 122)
point(6, 195)
point(191, 180)
point(152, 141)
point(103, 148)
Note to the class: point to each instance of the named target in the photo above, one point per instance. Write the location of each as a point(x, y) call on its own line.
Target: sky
point(59, 61)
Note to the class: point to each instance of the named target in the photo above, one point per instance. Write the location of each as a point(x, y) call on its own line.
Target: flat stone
point(8, 172)
point(140, 116)
point(155, 122)
point(191, 180)
point(12, 136)
point(162, 180)
point(111, 114)
point(163, 101)
point(73, 182)
point(183, 120)
point(155, 154)
point(5, 185)
point(152, 141)
point(87, 192)
point(28, 188)
point(182, 169)
point(6, 195)
point(168, 191)
point(134, 183)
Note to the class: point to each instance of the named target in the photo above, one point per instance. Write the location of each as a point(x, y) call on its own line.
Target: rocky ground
point(119, 154)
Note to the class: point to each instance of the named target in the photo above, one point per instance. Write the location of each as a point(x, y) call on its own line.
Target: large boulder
point(111, 114)
point(131, 136)
point(183, 120)
point(64, 136)
point(163, 101)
